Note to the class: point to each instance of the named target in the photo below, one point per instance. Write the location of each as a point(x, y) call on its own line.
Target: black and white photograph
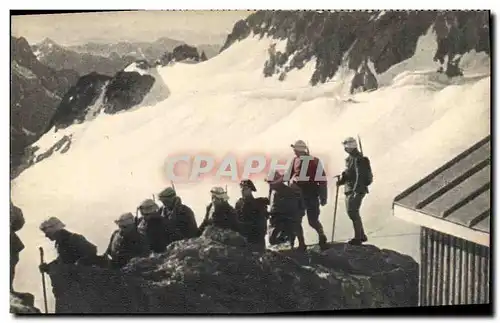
point(250, 161)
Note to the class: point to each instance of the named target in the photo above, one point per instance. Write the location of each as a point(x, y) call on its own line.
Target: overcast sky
point(194, 27)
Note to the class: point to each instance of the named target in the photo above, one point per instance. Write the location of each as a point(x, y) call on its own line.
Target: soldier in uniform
point(286, 211)
point(153, 226)
point(126, 242)
point(252, 214)
point(219, 212)
point(354, 189)
point(313, 190)
point(71, 247)
point(179, 218)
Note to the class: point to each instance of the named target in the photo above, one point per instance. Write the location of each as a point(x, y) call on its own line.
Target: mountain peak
point(48, 43)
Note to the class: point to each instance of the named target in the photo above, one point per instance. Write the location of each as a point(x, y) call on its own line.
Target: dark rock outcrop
point(22, 303)
point(241, 30)
point(181, 53)
point(364, 80)
point(384, 38)
point(217, 273)
point(203, 56)
point(126, 90)
point(74, 105)
point(121, 92)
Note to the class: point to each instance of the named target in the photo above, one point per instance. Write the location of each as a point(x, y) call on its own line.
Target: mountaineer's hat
point(52, 225)
point(350, 142)
point(299, 145)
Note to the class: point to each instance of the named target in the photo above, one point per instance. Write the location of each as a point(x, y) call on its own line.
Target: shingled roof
point(455, 198)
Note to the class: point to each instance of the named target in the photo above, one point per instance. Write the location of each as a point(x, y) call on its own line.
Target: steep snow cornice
point(384, 38)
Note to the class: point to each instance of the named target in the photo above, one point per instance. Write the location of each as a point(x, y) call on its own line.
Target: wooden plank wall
point(453, 271)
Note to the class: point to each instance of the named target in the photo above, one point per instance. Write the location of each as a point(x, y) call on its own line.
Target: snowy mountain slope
point(412, 124)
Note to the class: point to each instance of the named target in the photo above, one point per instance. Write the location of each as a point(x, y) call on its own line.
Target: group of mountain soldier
point(310, 181)
point(160, 226)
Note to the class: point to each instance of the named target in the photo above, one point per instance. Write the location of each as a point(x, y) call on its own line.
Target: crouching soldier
point(286, 212)
point(126, 242)
point(71, 247)
point(16, 245)
point(179, 218)
point(220, 213)
point(252, 215)
point(152, 226)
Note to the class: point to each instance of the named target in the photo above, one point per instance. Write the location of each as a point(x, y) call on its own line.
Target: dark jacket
point(180, 222)
point(314, 186)
point(155, 232)
point(122, 247)
point(16, 224)
point(224, 217)
point(287, 204)
point(72, 247)
point(351, 175)
point(252, 215)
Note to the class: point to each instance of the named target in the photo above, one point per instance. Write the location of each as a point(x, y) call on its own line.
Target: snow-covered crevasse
point(225, 105)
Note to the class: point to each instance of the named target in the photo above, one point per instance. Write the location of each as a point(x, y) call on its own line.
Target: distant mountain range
point(107, 59)
point(59, 57)
point(142, 50)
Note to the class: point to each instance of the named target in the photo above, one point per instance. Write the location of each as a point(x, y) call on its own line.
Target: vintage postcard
point(249, 162)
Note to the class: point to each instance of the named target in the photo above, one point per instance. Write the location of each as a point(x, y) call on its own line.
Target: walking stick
point(335, 207)
point(43, 282)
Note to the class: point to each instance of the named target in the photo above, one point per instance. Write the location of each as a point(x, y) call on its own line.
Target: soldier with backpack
point(356, 178)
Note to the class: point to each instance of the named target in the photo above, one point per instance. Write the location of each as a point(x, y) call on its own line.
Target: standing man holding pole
point(356, 178)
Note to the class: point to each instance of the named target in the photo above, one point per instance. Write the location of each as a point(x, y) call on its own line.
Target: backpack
point(365, 171)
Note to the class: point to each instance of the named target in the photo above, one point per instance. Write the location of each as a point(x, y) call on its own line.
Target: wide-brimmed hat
point(248, 183)
point(300, 145)
point(278, 177)
point(350, 142)
point(125, 219)
point(219, 192)
point(52, 225)
point(148, 206)
point(167, 193)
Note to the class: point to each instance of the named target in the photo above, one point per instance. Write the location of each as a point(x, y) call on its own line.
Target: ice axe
point(335, 205)
point(43, 281)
